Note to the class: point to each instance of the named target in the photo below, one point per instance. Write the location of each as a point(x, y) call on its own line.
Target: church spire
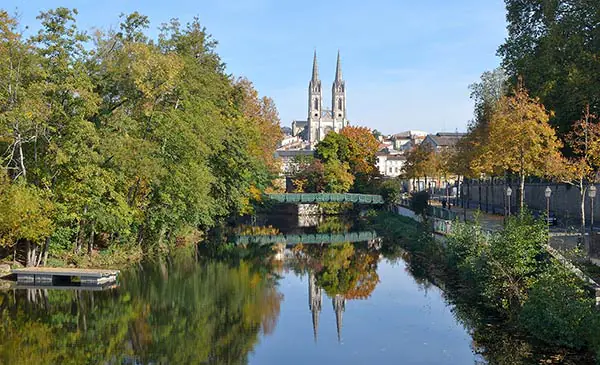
point(338, 69)
point(315, 73)
point(314, 302)
point(339, 306)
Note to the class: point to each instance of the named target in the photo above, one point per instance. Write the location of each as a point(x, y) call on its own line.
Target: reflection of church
point(315, 295)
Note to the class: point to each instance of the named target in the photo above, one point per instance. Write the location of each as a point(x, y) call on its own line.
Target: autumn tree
point(581, 169)
point(421, 162)
point(363, 147)
point(519, 139)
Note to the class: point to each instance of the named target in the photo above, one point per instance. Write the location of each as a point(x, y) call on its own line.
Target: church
point(321, 121)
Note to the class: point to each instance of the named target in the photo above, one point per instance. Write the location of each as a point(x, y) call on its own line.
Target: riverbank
point(515, 287)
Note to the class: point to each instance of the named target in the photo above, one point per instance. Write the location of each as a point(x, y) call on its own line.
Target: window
point(340, 104)
point(396, 170)
point(317, 104)
point(390, 169)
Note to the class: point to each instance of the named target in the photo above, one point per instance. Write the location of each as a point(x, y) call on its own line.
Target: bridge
point(326, 198)
point(316, 238)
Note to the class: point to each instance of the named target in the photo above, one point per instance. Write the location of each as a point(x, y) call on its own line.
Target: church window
point(340, 104)
point(317, 104)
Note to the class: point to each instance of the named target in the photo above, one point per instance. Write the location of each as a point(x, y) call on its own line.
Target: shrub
point(419, 201)
point(559, 311)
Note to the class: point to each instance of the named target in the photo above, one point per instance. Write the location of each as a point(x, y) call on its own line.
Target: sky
point(407, 64)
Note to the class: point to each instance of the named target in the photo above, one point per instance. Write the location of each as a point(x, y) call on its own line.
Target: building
point(405, 141)
point(321, 121)
point(441, 141)
point(390, 164)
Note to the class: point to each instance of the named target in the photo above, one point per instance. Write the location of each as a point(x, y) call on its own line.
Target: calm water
point(341, 303)
point(401, 322)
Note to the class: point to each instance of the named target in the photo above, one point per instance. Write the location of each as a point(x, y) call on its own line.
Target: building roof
point(409, 134)
point(445, 139)
point(397, 157)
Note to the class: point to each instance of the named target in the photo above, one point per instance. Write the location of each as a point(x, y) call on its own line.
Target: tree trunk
point(487, 196)
point(19, 141)
point(44, 253)
point(582, 190)
point(31, 254)
point(522, 194)
point(479, 195)
point(80, 232)
point(91, 241)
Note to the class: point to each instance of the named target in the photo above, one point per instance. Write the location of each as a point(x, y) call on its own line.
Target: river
point(334, 303)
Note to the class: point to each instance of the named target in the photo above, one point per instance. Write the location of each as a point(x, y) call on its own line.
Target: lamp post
point(547, 194)
point(508, 194)
point(592, 195)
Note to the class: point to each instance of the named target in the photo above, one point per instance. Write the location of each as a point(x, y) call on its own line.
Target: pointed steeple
point(339, 306)
point(338, 70)
point(314, 302)
point(315, 73)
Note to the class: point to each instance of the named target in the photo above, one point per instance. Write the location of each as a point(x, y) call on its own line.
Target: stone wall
point(564, 201)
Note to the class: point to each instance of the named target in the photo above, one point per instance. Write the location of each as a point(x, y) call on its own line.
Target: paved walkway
point(559, 239)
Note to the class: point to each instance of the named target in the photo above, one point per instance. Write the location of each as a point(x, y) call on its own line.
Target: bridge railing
point(326, 198)
point(315, 238)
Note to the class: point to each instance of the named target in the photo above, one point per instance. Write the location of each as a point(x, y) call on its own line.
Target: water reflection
point(368, 302)
point(177, 311)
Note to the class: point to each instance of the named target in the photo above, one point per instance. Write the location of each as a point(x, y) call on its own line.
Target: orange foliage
point(363, 147)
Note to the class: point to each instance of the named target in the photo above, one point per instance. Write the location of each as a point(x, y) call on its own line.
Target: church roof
point(326, 113)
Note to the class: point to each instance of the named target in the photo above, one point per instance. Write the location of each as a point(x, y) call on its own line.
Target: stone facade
point(321, 121)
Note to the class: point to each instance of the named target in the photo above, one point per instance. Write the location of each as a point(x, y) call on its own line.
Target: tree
point(25, 216)
point(130, 139)
point(363, 147)
point(520, 140)
point(583, 166)
point(337, 175)
point(554, 45)
point(487, 92)
point(421, 162)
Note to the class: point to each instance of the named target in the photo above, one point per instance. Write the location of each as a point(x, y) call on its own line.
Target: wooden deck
point(50, 275)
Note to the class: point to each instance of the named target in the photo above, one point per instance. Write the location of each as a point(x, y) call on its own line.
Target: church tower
point(338, 98)
point(315, 102)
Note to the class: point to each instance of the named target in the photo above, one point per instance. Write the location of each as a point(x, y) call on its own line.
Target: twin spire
point(338, 69)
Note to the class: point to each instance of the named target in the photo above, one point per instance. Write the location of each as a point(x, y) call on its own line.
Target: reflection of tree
point(334, 224)
point(256, 230)
point(179, 312)
point(340, 269)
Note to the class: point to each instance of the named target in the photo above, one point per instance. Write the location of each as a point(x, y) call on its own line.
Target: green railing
point(326, 198)
point(294, 239)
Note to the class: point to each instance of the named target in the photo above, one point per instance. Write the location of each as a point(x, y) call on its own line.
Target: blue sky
point(407, 64)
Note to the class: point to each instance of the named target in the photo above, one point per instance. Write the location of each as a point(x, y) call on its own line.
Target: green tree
point(553, 45)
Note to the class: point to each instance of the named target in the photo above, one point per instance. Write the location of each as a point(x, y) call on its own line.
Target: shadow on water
point(214, 303)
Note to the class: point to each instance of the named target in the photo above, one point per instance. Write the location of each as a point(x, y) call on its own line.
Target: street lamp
point(592, 195)
point(508, 194)
point(547, 193)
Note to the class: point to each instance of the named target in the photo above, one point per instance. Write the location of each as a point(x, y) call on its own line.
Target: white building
point(390, 165)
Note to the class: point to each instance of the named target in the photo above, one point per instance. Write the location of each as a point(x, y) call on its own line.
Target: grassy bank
point(504, 286)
